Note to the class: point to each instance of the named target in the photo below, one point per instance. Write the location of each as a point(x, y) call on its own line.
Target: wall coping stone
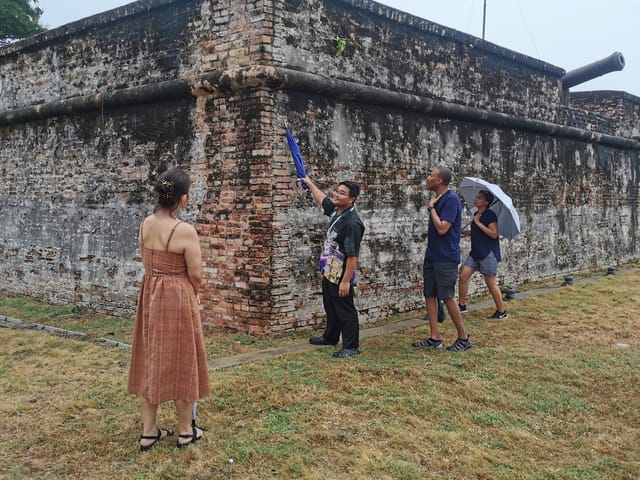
point(36, 41)
point(606, 94)
point(439, 30)
point(424, 25)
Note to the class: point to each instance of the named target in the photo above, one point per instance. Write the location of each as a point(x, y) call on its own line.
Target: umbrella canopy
point(297, 158)
point(502, 206)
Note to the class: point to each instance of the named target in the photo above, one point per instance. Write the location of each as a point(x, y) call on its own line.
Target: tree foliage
point(19, 19)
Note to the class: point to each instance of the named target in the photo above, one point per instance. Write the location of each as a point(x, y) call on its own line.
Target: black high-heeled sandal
point(155, 438)
point(193, 436)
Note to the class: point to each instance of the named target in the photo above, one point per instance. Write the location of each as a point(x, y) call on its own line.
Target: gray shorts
point(439, 279)
point(488, 266)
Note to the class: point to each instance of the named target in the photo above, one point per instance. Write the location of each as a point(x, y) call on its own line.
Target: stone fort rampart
point(92, 112)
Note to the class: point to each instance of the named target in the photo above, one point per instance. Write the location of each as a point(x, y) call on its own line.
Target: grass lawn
point(550, 393)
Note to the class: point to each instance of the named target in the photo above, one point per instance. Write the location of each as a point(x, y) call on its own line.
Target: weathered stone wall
point(397, 51)
point(75, 188)
point(588, 120)
point(577, 202)
point(209, 85)
point(621, 109)
point(129, 46)
point(74, 193)
point(574, 197)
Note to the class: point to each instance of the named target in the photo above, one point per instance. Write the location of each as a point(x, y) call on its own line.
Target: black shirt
point(346, 229)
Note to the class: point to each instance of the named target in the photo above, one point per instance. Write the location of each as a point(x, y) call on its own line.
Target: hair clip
point(169, 186)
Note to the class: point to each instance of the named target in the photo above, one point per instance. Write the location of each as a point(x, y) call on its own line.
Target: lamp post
point(484, 17)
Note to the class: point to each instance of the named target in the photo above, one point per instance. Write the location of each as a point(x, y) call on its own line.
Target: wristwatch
point(429, 209)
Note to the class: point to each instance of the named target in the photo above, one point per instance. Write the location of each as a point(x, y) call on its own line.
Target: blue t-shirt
point(481, 243)
point(446, 248)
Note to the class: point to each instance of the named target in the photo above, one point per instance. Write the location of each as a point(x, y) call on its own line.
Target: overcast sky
point(564, 33)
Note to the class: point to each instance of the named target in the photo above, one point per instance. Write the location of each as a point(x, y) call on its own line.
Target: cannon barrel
point(612, 63)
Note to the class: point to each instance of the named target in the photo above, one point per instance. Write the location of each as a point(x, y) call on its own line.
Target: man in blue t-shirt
point(484, 255)
point(440, 270)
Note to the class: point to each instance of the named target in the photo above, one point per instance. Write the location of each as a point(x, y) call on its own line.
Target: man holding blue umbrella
point(338, 263)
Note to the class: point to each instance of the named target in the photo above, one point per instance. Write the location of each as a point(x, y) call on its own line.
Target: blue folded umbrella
point(297, 158)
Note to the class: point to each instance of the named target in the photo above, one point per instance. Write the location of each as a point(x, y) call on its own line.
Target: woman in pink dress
point(168, 358)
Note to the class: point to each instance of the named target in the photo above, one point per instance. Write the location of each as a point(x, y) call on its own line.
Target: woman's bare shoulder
point(186, 229)
point(149, 220)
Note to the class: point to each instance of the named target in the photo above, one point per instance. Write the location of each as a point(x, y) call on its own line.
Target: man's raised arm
point(318, 194)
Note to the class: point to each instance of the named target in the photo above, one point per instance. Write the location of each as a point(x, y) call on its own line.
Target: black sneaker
point(428, 343)
point(347, 352)
point(460, 345)
point(463, 308)
point(499, 315)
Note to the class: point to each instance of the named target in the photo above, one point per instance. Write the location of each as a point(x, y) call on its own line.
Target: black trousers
point(342, 316)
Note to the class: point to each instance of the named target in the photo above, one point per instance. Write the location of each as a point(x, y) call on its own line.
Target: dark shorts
point(439, 279)
point(488, 266)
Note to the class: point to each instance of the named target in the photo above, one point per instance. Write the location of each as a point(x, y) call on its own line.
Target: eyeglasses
point(341, 193)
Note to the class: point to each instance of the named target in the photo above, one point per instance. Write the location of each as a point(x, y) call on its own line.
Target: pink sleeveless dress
point(168, 357)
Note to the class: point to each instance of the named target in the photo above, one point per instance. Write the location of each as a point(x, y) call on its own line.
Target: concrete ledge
point(10, 320)
point(59, 331)
point(115, 343)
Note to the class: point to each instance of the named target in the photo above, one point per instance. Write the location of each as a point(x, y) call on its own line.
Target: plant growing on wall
point(341, 44)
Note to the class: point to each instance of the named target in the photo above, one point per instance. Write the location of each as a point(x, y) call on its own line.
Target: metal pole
point(484, 17)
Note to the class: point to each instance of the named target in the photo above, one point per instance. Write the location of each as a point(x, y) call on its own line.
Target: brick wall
point(129, 46)
point(621, 109)
point(74, 193)
point(577, 202)
point(397, 51)
point(210, 86)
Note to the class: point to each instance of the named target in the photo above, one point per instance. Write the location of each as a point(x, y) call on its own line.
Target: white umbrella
point(502, 206)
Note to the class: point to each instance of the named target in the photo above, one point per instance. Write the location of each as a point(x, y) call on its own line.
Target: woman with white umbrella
point(484, 255)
